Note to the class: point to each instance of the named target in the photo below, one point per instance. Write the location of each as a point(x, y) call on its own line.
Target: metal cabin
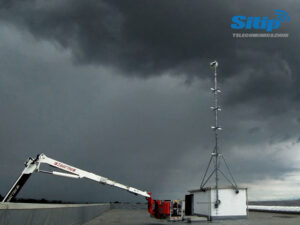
point(232, 205)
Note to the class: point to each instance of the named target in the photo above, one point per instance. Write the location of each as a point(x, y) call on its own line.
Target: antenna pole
point(215, 154)
point(216, 108)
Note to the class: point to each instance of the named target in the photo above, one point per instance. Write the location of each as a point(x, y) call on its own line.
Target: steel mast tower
point(215, 154)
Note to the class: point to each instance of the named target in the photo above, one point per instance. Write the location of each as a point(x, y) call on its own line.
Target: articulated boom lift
point(157, 208)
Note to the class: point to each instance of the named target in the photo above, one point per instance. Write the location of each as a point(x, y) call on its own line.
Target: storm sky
point(121, 89)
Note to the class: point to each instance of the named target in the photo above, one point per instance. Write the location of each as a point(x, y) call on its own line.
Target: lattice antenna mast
point(215, 155)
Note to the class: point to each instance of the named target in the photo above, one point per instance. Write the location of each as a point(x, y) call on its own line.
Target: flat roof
point(140, 216)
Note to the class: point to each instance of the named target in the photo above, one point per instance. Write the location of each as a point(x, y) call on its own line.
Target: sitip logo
point(261, 23)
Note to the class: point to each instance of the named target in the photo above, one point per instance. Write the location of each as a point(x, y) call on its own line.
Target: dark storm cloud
point(139, 37)
point(144, 132)
point(254, 130)
point(144, 38)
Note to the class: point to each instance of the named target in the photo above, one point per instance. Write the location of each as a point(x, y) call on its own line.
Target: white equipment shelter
point(232, 205)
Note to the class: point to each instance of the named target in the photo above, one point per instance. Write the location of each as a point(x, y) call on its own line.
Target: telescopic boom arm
point(33, 165)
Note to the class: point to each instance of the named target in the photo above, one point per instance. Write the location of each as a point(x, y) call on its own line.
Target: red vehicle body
point(159, 209)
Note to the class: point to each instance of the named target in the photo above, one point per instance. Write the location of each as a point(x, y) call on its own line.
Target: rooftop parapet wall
point(49, 214)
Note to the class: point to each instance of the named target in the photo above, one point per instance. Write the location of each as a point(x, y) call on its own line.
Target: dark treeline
point(30, 200)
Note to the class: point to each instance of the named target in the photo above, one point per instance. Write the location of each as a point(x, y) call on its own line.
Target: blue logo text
point(262, 23)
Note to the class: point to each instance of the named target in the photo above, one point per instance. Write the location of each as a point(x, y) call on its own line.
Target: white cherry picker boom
point(33, 165)
point(156, 208)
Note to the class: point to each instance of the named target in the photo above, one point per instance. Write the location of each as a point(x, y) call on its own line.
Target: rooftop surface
point(141, 217)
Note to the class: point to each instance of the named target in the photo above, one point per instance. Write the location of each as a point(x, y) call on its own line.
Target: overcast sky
point(121, 89)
